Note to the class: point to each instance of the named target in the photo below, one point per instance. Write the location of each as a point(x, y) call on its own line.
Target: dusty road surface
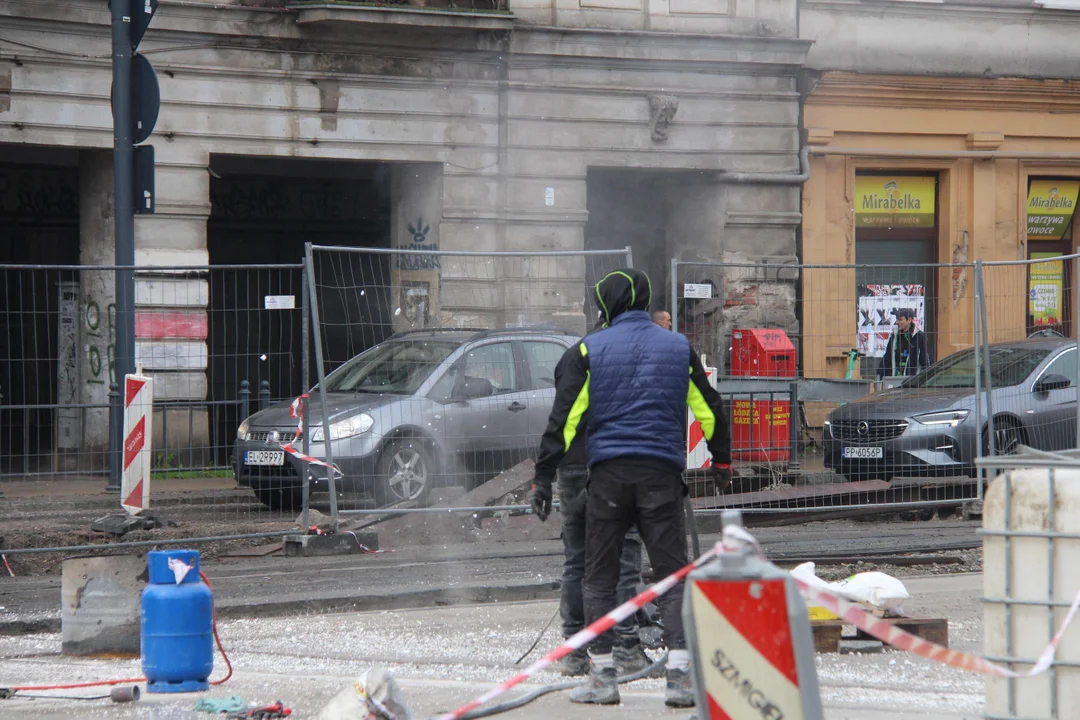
point(444, 657)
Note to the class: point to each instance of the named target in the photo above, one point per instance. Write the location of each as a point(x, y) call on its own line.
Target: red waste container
point(761, 426)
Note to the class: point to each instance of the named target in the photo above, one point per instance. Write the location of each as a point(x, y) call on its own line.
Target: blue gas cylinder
point(177, 625)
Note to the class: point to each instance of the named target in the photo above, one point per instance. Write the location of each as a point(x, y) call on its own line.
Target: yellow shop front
point(911, 180)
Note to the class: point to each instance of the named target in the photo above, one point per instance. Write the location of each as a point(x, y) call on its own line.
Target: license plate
point(264, 457)
point(863, 453)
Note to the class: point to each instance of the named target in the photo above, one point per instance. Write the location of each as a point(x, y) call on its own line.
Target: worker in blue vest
point(633, 381)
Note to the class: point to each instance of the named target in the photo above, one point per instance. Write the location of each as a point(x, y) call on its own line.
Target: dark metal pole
point(116, 437)
point(124, 211)
point(794, 425)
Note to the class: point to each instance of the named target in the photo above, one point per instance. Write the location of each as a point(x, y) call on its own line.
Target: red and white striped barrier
point(697, 450)
point(734, 538)
point(138, 430)
point(296, 411)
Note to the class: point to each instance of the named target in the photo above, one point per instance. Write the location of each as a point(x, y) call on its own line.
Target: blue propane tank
point(177, 625)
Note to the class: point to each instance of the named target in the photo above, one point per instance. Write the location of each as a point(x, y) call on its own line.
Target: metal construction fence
point(435, 369)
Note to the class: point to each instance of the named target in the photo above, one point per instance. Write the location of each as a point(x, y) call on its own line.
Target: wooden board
point(827, 634)
point(506, 482)
point(935, 630)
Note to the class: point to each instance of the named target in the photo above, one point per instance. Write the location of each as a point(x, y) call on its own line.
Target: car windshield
point(399, 366)
point(1010, 366)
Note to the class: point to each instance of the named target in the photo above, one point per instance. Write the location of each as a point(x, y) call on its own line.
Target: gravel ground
point(446, 656)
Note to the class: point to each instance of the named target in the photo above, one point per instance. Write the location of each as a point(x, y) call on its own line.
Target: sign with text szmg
point(1051, 204)
point(894, 201)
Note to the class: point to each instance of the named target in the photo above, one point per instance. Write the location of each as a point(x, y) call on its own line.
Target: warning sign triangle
point(132, 389)
point(135, 499)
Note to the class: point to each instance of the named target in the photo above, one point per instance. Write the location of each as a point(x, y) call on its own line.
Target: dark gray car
point(927, 425)
point(459, 404)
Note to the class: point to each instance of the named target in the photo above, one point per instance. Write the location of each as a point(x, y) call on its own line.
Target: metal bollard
point(750, 642)
point(794, 425)
point(264, 394)
point(116, 438)
point(245, 400)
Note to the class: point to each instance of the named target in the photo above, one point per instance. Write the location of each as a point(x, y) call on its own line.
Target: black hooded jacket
point(577, 457)
point(633, 382)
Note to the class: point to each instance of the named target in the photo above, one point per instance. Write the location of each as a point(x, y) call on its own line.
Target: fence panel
point(841, 335)
point(1031, 310)
point(439, 366)
point(220, 342)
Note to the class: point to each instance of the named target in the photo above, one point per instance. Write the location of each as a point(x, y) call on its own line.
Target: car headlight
point(242, 431)
point(355, 425)
point(952, 418)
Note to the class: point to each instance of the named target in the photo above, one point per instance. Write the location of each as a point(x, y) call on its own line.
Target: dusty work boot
point(680, 689)
point(574, 664)
point(602, 689)
point(633, 659)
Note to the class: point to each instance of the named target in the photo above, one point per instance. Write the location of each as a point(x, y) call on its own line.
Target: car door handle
point(516, 407)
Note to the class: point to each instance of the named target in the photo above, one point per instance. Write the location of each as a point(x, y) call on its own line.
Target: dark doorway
point(39, 225)
point(263, 212)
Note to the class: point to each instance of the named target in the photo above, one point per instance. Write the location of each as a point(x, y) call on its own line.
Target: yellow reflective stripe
point(701, 410)
point(584, 350)
point(577, 411)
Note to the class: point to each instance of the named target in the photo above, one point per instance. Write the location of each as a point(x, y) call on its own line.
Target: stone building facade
point(670, 126)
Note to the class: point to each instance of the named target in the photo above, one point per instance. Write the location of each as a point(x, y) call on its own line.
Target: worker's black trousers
point(621, 493)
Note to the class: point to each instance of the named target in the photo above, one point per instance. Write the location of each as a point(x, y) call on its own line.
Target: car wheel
point(1008, 437)
point(281, 499)
point(404, 472)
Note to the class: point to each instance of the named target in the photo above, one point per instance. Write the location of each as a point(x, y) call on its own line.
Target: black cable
point(538, 637)
point(557, 687)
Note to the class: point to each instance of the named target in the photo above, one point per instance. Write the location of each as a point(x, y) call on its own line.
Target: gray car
point(927, 425)
point(453, 405)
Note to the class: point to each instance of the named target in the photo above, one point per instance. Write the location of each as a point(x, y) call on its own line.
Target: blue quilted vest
point(639, 378)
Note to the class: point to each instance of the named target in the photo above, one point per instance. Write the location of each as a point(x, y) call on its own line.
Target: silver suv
point(460, 406)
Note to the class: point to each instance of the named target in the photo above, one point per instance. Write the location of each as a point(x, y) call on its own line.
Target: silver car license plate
point(264, 457)
point(863, 453)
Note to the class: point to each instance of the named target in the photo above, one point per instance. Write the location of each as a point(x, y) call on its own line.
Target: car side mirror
point(1052, 382)
point(472, 388)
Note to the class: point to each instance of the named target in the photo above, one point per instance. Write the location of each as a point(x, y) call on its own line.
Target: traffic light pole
point(124, 217)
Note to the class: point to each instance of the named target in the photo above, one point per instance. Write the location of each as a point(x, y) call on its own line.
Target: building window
point(1051, 205)
point(895, 245)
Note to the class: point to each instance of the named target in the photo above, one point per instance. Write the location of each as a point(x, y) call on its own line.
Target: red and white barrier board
point(697, 450)
point(138, 419)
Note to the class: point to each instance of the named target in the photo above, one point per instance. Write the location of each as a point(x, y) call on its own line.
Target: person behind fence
point(572, 478)
point(662, 318)
point(907, 352)
point(634, 380)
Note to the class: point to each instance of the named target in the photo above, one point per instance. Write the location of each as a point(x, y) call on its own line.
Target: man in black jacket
point(573, 475)
point(634, 380)
point(907, 352)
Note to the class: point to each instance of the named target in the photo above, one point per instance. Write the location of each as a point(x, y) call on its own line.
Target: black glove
point(540, 497)
point(721, 475)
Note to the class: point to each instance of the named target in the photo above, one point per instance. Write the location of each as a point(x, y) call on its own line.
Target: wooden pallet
point(829, 633)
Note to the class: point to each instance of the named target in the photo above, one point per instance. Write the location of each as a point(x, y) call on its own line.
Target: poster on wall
point(877, 303)
point(1051, 204)
point(1045, 283)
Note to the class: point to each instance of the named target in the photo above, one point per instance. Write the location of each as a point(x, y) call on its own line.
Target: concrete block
point(337, 544)
point(100, 605)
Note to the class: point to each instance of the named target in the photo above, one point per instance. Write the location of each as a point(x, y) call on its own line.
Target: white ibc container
point(1032, 558)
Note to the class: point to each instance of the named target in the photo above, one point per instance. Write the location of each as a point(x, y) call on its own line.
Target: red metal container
point(762, 353)
point(760, 430)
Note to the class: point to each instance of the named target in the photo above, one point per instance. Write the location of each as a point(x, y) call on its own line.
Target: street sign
point(146, 96)
point(143, 201)
point(142, 11)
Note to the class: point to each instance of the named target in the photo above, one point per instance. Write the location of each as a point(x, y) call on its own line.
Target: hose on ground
point(555, 687)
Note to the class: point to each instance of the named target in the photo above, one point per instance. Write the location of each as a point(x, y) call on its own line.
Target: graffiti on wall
point(100, 327)
point(418, 241)
point(39, 192)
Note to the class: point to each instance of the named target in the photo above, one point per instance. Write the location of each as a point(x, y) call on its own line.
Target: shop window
point(895, 247)
point(1051, 205)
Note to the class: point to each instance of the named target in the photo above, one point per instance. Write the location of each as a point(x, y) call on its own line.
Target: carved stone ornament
point(662, 109)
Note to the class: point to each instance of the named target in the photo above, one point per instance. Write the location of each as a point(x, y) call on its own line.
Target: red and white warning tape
point(296, 411)
point(590, 633)
point(734, 537)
